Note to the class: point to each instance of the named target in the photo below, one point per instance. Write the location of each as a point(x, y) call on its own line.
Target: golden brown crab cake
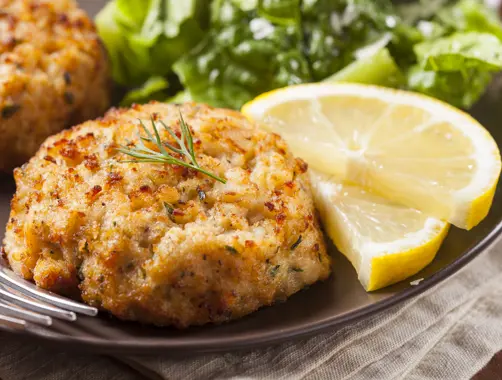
point(53, 74)
point(159, 243)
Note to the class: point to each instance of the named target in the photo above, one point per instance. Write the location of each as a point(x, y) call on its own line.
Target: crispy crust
point(53, 74)
point(84, 222)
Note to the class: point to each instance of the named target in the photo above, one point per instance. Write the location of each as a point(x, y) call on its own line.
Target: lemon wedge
point(412, 149)
point(385, 242)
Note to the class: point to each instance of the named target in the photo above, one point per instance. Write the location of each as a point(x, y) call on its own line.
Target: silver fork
point(23, 303)
point(25, 306)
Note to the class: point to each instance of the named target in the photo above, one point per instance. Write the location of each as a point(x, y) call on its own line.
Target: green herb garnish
point(274, 270)
point(170, 210)
point(231, 249)
point(10, 110)
point(141, 153)
point(296, 243)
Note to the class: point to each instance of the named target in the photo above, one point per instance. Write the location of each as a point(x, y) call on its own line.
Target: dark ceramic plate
point(325, 306)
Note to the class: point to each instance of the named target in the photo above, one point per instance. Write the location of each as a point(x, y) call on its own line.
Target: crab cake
point(161, 243)
point(53, 74)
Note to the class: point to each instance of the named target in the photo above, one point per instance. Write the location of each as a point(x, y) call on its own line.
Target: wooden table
point(493, 370)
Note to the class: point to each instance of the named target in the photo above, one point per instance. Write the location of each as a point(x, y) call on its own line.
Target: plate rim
point(178, 345)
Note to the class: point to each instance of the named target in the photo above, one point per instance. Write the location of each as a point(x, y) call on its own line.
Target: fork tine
point(12, 311)
point(9, 278)
point(36, 306)
point(12, 322)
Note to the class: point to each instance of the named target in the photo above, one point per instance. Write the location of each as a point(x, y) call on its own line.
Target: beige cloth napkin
point(450, 332)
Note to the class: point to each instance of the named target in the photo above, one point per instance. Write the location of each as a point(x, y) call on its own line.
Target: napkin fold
point(448, 332)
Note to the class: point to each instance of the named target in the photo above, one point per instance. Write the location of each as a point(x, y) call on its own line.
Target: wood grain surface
point(492, 371)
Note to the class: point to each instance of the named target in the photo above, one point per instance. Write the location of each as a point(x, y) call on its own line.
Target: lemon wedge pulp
point(412, 149)
point(385, 242)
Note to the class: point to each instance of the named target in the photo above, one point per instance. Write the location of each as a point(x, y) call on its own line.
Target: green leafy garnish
point(252, 47)
point(470, 16)
point(335, 30)
point(145, 37)
point(227, 52)
point(231, 249)
point(141, 153)
point(296, 243)
point(378, 68)
point(153, 89)
point(169, 208)
point(461, 51)
point(456, 69)
point(274, 270)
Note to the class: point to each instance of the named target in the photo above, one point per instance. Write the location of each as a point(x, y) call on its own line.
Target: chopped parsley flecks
point(296, 243)
point(169, 209)
point(274, 270)
point(10, 110)
point(231, 249)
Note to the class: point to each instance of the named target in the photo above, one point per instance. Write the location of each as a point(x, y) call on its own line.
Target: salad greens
point(335, 30)
point(226, 52)
point(155, 88)
point(459, 53)
point(377, 68)
point(145, 37)
point(244, 54)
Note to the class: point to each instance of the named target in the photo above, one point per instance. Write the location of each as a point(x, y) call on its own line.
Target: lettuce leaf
point(154, 88)
point(226, 52)
point(334, 30)
point(457, 68)
point(461, 89)
point(459, 48)
point(470, 16)
point(180, 97)
point(113, 36)
point(412, 12)
point(461, 52)
point(377, 68)
point(144, 38)
point(281, 12)
point(131, 13)
point(247, 53)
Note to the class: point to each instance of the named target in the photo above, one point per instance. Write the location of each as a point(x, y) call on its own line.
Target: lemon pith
point(393, 268)
point(385, 242)
point(379, 156)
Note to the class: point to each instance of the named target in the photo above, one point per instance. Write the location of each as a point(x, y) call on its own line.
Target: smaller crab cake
point(53, 74)
point(159, 243)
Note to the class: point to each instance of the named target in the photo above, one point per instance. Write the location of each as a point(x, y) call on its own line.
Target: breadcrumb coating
point(164, 244)
point(53, 74)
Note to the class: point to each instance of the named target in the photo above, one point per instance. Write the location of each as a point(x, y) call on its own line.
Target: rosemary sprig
point(142, 153)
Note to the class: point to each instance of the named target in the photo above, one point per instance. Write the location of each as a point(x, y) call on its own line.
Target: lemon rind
point(470, 204)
